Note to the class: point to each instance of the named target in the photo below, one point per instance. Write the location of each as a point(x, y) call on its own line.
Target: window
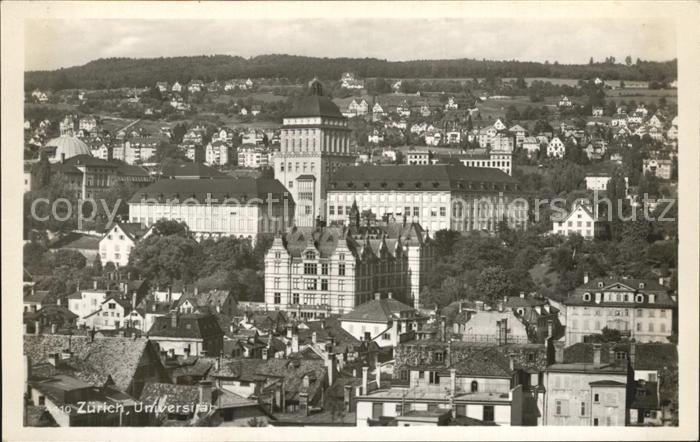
point(562, 407)
point(434, 378)
point(277, 283)
point(639, 326)
point(324, 269)
point(586, 296)
point(331, 210)
point(662, 313)
point(310, 284)
point(416, 211)
point(309, 268)
point(278, 298)
point(608, 421)
point(386, 336)
point(488, 413)
point(595, 422)
point(340, 210)
point(620, 355)
point(112, 305)
point(295, 298)
point(651, 326)
point(341, 269)
point(596, 398)
point(439, 356)
point(475, 387)
point(244, 383)
point(324, 284)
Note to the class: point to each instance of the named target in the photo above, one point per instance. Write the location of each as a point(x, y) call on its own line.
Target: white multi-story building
point(639, 308)
point(418, 157)
point(323, 271)
point(580, 220)
point(255, 157)
point(243, 207)
point(436, 196)
point(494, 159)
point(556, 148)
point(660, 168)
point(314, 142)
point(116, 244)
point(217, 153)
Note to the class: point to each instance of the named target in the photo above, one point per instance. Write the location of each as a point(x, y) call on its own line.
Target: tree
point(445, 240)
point(255, 422)
point(520, 83)
point(590, 61)
point(493, 284)
point(628, 60)
point(167, 259)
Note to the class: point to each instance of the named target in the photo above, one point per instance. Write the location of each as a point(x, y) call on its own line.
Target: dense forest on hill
point(129, 72)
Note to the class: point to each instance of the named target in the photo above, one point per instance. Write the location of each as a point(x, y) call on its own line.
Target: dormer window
point(641, 285)
point(586, 296)
point(600, 284)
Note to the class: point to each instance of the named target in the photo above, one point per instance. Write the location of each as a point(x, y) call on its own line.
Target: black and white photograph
point(456, 215)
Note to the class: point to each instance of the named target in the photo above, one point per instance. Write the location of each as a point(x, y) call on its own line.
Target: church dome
point(68, 146)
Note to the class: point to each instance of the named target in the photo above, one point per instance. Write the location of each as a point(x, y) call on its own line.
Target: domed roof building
point(66, 146)
point(315, 105)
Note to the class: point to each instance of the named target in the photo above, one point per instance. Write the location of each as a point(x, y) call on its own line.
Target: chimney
point(313, 337)
point(511, 361)
point(54, 359)
point(453, 381)
point(295, 343)
point(558, 352)
point(54, 328)
point(522, 295)
point(389, 295)
point(331, 368)
point(596, 355)
point(585, 278)
point(443, 327)
point(460, 306)
point(633, 353)
point(173, 319)
point(304, 402)
point(364, 380)
point(661, 280)
point(205, 390)
point(377, 371)
point(377, 296)
point(264, 354)
point(347, 398)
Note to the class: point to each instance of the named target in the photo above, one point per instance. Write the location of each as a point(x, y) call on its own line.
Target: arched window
point(475, 386)
point(600, 285)
point(639, 298)
point(586, 296)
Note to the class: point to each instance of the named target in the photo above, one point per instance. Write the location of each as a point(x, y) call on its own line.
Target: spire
point(354, 216)
point(316, 87)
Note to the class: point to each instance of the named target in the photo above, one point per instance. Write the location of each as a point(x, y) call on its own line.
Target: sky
point(55, 43)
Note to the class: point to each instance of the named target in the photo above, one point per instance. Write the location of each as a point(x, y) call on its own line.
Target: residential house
point(217, 153)
point(117, 243)
point(581, 220)
point(597, 111)
point(660, 168)
point(187, 334)
point(279, 384)
point(556, 148)
point(451, 104)
point(531, 145)
point(564, 102)
point(639, 308)
point(381, 320)
point(584, 394)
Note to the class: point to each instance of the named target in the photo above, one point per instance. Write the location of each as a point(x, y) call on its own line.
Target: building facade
point(436, 196)
point(314, 142)
point(313, 273)
point(243, 207)
point(638, 308)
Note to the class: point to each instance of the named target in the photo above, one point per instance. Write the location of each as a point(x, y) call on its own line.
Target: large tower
point(315, 141)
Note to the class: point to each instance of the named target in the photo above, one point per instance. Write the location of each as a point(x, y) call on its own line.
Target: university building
point(436, 196)
point(243, 207)
point(314, 142)
point(312, 273)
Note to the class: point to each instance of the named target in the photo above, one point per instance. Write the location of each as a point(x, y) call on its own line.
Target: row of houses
point(195, 86)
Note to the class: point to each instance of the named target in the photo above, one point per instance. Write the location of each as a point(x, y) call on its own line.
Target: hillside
point(129, 72)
